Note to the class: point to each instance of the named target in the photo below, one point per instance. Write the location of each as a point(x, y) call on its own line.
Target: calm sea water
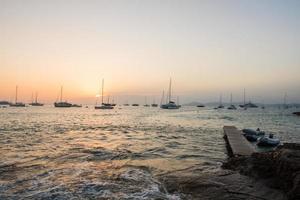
point(82, 153)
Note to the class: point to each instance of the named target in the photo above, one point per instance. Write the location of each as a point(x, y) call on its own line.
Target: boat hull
point(36, 104)
point(62, 105)
point(104, 107)
point(17, 105)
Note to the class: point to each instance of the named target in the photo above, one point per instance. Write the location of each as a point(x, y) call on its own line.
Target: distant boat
point(126, 103)
point(154, 104)
point(170, 104)
point(146, 104)
point(113, 102)
point(231, 107)
point(62, 104)
point(221, 106)
point(247, 105)
point(17, 104)
point(200, 106)
point(103, 105)
point(4, 104)
point(244, 105)
point(135, 104)
point(250, 105)
point(285, 106)
point(296, 113)
point(36, 103)
point(77, 105)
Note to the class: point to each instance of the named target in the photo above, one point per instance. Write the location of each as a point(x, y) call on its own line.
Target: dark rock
point(219, 186)
point(279, 169)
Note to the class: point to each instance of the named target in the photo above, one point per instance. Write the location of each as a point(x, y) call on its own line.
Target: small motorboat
point(268, 141)
point(253, 135)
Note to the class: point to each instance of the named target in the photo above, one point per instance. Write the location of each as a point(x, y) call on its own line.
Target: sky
point(208, 47)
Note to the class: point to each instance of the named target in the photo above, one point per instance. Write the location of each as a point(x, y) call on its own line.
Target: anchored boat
point(36, 103)
point(17, 104)
point(61, 103)
point(231, 107)
point(170, 104)
point(103, 105)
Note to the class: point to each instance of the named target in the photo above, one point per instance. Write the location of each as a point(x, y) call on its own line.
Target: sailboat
point(113, 102)
point(17, 104)
point(126, 103)
point(146, 104)
point(285, 106)
point(221, 106)
point(231, 107)
point(247, 105)
point(36, 103)
point(171, 104)
point(61, 103)
point(154, 104)
point(103, 105)
point(244, 105)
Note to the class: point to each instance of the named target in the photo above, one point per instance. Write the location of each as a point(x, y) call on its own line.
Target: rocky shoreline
point(270, 176)
point(279, 169)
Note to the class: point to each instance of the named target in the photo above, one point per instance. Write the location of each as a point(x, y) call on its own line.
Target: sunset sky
point(207, 47)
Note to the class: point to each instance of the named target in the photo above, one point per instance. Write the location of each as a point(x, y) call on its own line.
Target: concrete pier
point(237, 144)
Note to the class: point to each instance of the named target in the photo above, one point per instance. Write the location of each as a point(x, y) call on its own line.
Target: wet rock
point(219, 186)
point(278, 169)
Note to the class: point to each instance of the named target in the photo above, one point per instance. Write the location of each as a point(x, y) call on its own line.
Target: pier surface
point(237, 143)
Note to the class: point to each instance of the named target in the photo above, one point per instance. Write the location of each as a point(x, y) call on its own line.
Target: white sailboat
point(170, 104)
point(103, 105)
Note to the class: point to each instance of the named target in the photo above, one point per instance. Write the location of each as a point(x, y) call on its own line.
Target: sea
point(83, 153)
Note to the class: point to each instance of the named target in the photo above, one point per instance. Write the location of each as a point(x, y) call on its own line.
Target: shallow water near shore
point(75, 153)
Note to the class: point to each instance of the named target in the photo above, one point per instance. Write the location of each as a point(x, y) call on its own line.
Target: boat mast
point(36, 97)
point(102, 91)
point(231, 98)
point(162, 97)
point(284, 100)
point(170, 89)
point(16, 98)
point(32, 97)
point(220, 99)
point(61, 88)
point(244, 96)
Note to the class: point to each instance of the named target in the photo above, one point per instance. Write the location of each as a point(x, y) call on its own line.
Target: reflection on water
point(75, 153)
